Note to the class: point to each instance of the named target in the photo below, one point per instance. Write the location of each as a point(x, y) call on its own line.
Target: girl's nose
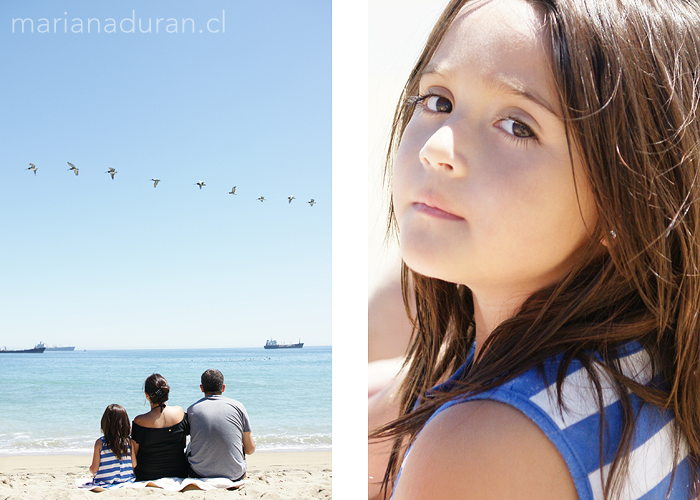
point(439, 152)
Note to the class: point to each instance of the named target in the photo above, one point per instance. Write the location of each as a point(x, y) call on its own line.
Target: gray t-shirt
point(217, 424)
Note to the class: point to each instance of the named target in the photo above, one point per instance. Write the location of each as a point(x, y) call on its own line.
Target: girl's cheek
point(400, 181)
point(408, 152)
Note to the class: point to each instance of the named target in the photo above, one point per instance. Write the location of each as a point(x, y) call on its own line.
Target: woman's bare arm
point(134, 452)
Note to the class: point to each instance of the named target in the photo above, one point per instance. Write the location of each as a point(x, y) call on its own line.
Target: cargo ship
point(272, 344)
point(36, 350)
point(55, 347)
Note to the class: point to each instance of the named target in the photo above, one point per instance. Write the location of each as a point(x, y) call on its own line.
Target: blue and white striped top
point(113, 472)
point(575, 430)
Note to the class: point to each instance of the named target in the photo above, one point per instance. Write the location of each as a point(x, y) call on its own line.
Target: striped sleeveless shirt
point(113, 472)
point(574, 430)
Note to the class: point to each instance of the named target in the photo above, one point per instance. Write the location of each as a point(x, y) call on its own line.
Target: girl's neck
point(490, 310)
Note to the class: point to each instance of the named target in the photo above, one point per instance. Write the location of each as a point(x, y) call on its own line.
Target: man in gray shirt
point(219, 432)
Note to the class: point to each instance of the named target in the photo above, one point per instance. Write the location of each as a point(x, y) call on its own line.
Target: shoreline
point(272, 474)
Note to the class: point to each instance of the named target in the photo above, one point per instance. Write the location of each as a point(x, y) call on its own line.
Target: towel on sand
point(168, 483)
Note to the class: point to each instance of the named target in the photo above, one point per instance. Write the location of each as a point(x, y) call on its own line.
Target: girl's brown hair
point(627, 75)
point(116, 429)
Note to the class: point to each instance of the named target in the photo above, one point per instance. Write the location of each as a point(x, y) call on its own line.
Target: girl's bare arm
point(95, 466)
point(383, 407)
point(484, 449)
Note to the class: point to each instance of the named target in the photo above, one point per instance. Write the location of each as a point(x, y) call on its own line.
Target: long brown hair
point(627, 75)
point(116, 429)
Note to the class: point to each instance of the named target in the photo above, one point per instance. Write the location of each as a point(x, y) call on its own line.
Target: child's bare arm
point(483, 449)
point(383, 407)
point(95, 466)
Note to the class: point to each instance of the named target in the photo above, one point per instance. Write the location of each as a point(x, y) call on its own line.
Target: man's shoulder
point(228, 401)
point(221, 398)
point(217, 400)
point(190, 407)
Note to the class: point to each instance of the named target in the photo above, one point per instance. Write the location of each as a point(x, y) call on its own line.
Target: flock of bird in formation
point(201, 184)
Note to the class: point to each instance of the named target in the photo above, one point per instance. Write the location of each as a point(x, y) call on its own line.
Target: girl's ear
point(609, 240)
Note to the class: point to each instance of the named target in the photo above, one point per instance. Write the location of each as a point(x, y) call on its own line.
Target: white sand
point(270, 476)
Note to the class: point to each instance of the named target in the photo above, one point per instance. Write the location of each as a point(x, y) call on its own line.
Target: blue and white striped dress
point(113, 472)
point(575, 430)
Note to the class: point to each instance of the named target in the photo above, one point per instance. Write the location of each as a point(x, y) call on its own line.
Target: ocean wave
point(23, 444)
point(315, 442)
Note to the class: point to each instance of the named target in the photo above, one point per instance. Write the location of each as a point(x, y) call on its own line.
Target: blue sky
point(101, 263)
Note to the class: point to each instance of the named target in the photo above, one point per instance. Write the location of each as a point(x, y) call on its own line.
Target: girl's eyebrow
point(430, 69)
point(504, 84)
point(513, 86)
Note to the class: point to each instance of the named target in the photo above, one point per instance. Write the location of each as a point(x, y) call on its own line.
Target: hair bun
point(157, 388)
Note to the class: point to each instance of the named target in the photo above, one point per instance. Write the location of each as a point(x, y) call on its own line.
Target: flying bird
point(155, 182)
point(32, 167)
point(73, 167)
point(111, 172)
point(290, 198)
point(311, 202)
point(262, 198)
point(200, 184)
point(233, 190)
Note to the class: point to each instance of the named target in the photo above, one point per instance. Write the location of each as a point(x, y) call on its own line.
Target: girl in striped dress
point(545, 174)
point(113, 460)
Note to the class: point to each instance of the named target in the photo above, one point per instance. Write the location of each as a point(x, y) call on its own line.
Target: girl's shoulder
point(579, 386)
point(487, 448)
point(569, 418)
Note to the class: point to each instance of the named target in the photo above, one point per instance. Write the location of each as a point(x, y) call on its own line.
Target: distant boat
point(37, 350)
point(272, 344)
point(54, 348)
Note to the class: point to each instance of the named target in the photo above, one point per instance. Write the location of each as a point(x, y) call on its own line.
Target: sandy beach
point(270, 475)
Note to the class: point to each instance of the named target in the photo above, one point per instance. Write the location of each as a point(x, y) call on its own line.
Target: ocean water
point(53, 402)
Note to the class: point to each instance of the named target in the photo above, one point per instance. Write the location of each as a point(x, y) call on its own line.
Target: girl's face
point(485, 192)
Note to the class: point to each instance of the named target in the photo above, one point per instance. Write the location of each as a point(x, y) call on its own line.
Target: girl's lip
point(435, 212)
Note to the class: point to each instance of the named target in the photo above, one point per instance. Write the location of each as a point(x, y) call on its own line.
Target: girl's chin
point(427, 267)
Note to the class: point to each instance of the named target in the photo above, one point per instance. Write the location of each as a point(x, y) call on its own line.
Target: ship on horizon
point(36, 350)
point(272, 344)
point(54, 347)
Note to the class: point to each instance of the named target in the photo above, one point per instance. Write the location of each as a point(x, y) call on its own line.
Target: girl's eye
point(516, 129)
point(433, 102)
point(438, 104)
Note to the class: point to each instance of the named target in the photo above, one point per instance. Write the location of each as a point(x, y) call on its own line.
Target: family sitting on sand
point(218, 427)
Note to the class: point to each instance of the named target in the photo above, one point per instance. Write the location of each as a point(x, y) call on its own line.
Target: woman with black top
point(159, 436)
